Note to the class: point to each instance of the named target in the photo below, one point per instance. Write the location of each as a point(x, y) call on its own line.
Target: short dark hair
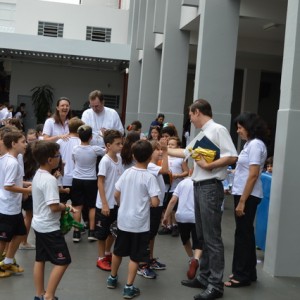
point(74, 124)
point(255, 126)
point(96, 94)
point(5, 129)
point(126, 152)
point(85, 132)
point(39, 127)
point(11, 137)
point(110, 135)
point(43, 150)
point(170, 130)
point(142, 150)
point(203, 106)
point(269, 161)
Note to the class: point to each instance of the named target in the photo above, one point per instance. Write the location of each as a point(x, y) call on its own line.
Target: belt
point(206, 182)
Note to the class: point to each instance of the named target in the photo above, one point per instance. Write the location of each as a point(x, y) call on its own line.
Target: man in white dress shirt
point(100, 118)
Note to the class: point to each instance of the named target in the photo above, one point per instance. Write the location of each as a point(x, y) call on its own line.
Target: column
point(217, 43)
point(283, 243)
point(174, 66)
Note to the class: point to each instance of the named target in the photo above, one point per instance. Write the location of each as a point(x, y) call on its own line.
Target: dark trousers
point(244, 254)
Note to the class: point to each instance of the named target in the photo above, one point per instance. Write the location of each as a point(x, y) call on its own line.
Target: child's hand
point(67, 190)
point(57, 174)
point(163, 144)
point(72, 209)
point(165, 221)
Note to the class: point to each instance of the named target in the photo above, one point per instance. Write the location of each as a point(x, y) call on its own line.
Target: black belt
point(205, 182)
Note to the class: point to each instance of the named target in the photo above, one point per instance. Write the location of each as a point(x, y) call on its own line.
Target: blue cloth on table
point(263, 212)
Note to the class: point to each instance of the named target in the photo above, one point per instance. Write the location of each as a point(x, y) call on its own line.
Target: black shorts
point(84, 192)
point(102, 223)
point(155, 218)
point(132, 244)
point(167, 199)
point(64, 197)
point(27, 204)
point(51, 246)
point(186, 230)
point(10, 226)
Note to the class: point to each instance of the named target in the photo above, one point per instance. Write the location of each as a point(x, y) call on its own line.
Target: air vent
point(98, 34)
point(51, 29)
point(112, 101)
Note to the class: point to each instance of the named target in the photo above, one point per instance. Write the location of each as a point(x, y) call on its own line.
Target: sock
point(100, 258)
point(169, 226)
point(128, 285)
point(107, 253)
point(175, 225)
point(113, 276)
point(8, 260)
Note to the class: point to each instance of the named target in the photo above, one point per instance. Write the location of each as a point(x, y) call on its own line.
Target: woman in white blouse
point(247, 192)
point(57, 127)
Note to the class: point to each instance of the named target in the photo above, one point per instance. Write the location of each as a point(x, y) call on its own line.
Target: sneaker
point(108, 257)
point(38, 298)
point(4, 273)
point(103, 264)
point(26, 246)
point(146, 272)
point(13, 268)
point(194, 265)
point(175, 231)
point(164, 231)
point(156, 265)
point(112, 282)
point(130, 291)
point(83, 231)
point(91, 236)
point(76, 236)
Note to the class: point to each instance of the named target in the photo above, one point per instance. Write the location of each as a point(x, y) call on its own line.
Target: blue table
point(263, 212)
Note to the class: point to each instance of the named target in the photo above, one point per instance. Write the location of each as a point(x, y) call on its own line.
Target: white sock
point(8, 261)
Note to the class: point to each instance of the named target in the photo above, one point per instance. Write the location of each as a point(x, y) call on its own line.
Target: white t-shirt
point(175, 166)
point(11, 174)
point(154, 170)
point(108, 119)
point(44, 193)
point(4, 113)
point(53, 129)
point(112, 171)
point(253, 153)
point(184, 191)
point(85, 158)
point(137, 186)
point(219, 136)
point(66, 149)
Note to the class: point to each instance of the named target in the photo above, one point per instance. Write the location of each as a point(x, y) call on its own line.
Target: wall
point(74, 17)
point(73, 83)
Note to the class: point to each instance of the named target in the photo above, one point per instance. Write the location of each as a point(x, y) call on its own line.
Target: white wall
point(73, 83)
point(74, 17)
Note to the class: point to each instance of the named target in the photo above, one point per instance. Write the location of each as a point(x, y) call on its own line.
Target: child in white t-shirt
point(12, 226)
point(110, 170)
point(50, 242)
point(159, 154)
point(136, 191)
point(84, 184)
point(185, 217)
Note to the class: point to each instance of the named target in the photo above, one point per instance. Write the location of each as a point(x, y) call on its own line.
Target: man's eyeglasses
point(57, 156)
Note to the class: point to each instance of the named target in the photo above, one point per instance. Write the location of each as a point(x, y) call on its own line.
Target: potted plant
point(42, 99)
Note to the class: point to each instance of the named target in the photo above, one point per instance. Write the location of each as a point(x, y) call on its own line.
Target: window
point(98, 34)
point(112, 101)
point(7, 17)
point(51, 29)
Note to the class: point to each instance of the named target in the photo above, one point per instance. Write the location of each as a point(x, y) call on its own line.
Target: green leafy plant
point(42, 100)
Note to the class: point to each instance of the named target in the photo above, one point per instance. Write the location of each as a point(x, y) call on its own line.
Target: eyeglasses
point(57, 156)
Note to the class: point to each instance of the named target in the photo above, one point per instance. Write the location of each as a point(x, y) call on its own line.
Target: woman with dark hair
point(57, 127)
point(247, 192)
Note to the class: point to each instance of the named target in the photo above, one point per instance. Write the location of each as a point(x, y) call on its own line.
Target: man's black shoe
point(209, 294)
point(194, 283)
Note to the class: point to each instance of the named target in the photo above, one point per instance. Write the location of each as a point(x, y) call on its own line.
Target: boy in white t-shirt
point(66, 149)
point(12, 226)
point(136, 191)
point(110, 170)
point(159, 154)
point(84, 184)
point(50, 242)
point(185, 217)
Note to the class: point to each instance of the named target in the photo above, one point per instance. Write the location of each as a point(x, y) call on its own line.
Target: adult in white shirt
point(57, 127)
point(100, 118)
point(247, 191)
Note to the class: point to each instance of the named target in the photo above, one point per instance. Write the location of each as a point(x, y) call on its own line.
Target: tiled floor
point(83, 281)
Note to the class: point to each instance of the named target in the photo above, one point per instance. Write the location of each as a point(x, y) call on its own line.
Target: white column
point(217, 43)
point(174, 66)
point(283, 244)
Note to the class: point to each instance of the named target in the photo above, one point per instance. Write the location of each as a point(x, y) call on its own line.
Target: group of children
point(135, 198)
